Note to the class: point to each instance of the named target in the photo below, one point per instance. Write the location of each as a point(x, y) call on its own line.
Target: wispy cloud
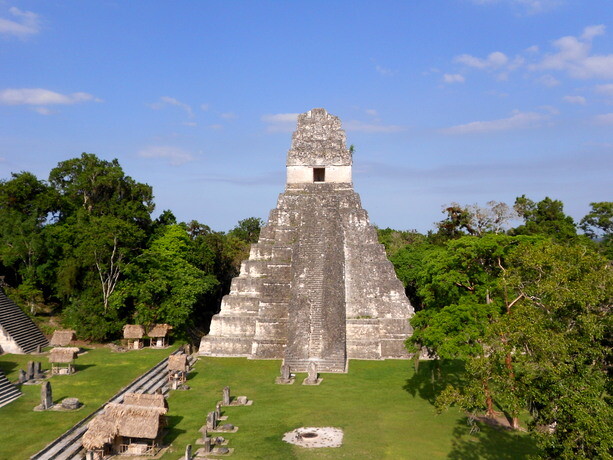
point(529, 6)
point(606, 119)
point(579, 100)
point(606, 89)
point(355, 125)
point(166, 101)
point(228, 115)
point(548, 80)
point(453, 78)
point(25, 24)
point(494, 60)
point(175, 155)
point(573, 56)
point(42, 97)
point(519, 120)
point(385, 71)
point(280, 122)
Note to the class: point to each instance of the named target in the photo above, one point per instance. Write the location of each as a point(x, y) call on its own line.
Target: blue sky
point(445, 101)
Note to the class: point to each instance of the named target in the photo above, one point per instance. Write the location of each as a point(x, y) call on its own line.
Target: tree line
point(82, 246)
point(525, 310)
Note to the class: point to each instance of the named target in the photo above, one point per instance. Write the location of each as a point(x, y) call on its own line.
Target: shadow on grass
point(431, 377)
point(486, 443)
point(173, 431)
point(82, 367)
point(7, 367)
point(191, 375)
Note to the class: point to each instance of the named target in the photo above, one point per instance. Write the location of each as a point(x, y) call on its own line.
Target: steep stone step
point(19, 326)
point(8, 391)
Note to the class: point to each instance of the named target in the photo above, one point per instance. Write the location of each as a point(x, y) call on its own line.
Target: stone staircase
point(315, 249)
point(19, 326)
point(8, 391)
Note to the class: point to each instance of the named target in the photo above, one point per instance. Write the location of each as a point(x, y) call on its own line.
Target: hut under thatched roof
point(177, 363)
point(125, 429)
point(158, 335)
point(62, 338)
point(159, 330)
point(145, 400)
point(133, 331)
point(134, 334)
point(63, 354)
point(62, 358)
point(177, 370)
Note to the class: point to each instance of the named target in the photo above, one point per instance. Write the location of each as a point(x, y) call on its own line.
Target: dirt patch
point(312, 437)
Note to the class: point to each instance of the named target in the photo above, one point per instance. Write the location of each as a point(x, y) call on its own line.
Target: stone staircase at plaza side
point(19, 327)
point(318, 265)
point(8, 391)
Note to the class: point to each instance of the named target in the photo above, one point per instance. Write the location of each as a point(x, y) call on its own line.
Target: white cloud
point(280, 122)
point(215, 127)
point(354, 125)
point(228, 115)
point(549, 80)
point(453, 78)
point(371, 112)
point(606, 89)
point(205, 107)
point(573, 56)
point(605, 119)
point(530, 6)
point(43, 110)
point(175, 155)
point(190, 123)
point(519, 120)
point(40, 96)
point(166, 100)
point(384, 71)
point(493, 61)
point(580, 100)
point(26, 24)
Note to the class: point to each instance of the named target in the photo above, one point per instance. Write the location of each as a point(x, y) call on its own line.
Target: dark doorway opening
point(319, 174)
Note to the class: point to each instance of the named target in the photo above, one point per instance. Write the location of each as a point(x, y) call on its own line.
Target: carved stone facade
point(318, 286)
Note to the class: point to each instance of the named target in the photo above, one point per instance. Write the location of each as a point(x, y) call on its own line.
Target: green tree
point(545, 218)
point(598, 225)
point(560, 332)
point(162, 285)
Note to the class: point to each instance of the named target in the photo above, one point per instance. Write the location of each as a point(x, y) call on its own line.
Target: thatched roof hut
point(124, 420)
point(177, 363)
point(159, 330)
point(63, 354)
point(62, 338)
point(133, 331)
point(100, 431)
point(145, 400)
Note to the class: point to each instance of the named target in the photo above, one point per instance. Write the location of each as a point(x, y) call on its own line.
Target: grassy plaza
point(384, 409)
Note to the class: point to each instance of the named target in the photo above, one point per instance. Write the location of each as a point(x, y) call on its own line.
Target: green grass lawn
point(100, 374)
point(385, 410)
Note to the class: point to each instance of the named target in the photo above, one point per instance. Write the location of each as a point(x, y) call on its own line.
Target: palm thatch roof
point(62, 338)
point(159, 330)
point(100, 431)
point(123, 420)
point(133, 331)
point(145, 400)
point(177, 363)
point(63, 354)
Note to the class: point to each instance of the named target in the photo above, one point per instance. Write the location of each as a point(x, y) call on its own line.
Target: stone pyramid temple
point(318, 286)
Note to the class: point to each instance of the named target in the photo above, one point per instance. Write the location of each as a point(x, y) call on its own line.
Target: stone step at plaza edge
point(318, 286)
point(18, 333)
point(8, 391)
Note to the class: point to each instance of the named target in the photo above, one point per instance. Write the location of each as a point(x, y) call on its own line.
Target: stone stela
point(317, 286)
